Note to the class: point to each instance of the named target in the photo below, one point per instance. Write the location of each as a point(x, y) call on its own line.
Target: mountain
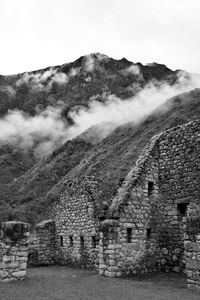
point(30, 184)
point(74, 84)
point(108, 161)
point(70, 87)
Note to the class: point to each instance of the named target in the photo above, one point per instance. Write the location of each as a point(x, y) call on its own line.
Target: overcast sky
point(38, 33)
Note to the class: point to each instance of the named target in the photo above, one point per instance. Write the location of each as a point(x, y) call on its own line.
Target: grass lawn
point(66, 283)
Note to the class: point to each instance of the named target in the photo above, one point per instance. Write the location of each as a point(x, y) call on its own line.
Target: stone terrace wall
point(179, 185)
point(13, 250)
point(42, 244)
point(192, 247)
point(130, 245)
point(77, 227)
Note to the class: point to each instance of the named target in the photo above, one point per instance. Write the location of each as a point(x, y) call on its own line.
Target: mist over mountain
point(91, 117)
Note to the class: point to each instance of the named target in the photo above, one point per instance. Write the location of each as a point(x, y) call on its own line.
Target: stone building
point(145, 226)
point(145, 229)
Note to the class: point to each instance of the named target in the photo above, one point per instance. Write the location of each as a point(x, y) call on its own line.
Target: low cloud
point(43, 132)
point(45, 79)
point(133, 109)
point(48, 130)
point(9, 90)
point(132, 69)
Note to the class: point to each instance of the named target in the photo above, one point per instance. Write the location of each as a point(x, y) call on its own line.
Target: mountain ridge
point(30, 185)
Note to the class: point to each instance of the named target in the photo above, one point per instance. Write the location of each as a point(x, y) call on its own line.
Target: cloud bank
point(48, 130)
point(133, 109)
point(42, 132)
point(44, 80)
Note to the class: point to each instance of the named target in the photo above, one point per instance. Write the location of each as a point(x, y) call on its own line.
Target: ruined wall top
point(14, 231)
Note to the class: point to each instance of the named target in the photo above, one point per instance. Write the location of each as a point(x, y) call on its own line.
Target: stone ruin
point(13, 250)
point(152, 224)
point(192, 247)
point(42, 244)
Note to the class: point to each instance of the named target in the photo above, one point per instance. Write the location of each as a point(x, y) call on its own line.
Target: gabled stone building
point(145, 227)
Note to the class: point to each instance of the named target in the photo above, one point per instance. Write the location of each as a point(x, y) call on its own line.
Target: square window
point(182, 209)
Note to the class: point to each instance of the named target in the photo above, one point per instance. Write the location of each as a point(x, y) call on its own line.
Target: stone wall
point(77, 226)
point(13, 250)
point(179, 185)
point(42, 244)
point(129, 244)
point(151, 205)
point(192, 247)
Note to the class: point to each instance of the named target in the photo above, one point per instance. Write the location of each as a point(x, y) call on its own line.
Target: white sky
point(38, 33)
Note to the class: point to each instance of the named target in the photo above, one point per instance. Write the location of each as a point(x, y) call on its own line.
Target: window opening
point(148, 233)
point(94, 242)
point(61, 240)
point(129, 235)
point(182, 209)
point(150, 188)
point(71, 240)
point(82, 241)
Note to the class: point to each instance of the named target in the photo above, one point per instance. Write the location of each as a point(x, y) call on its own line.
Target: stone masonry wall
point(151, 205)
point(179, 185)
point(13, 250)
point(77, 227)
point(192, 247)
point(130, 245)
point(42, 244)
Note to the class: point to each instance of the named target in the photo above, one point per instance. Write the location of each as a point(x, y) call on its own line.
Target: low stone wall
point(42, 244)
point(192, 247)
point(13, 250)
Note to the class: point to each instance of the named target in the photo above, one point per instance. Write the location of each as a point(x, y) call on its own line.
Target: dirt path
point(61, 283)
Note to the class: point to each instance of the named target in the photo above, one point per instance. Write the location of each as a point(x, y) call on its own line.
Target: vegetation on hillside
point(108, 161)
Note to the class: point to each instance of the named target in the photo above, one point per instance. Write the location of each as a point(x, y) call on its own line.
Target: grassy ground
point(57, 283)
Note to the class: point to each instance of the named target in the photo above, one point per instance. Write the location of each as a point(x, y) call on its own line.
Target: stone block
point(189, 273)
point(136, 246)
point(193, 287)
point(165, 251)
point(3, 274)
point(11, 265)
point(110, 274)
point(19, 274)
point(6, 258)
point(8, 279)
point(192, 264)
point(23, 266)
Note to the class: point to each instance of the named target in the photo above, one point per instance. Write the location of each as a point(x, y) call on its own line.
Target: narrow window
point(71, 242)
point(129, 235)
point(150, 188)
point(82, 242)
point(61, 240)
point(182, 209)
point(94, 242)
point(148, 233)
